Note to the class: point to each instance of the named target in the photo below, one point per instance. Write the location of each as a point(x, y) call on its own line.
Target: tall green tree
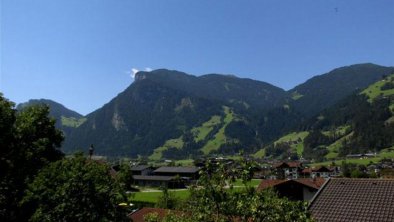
point(28, 142)
point(216, 199)
point(75, 189)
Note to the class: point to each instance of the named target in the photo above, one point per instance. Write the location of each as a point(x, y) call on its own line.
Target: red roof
point(315, 183)
point(264, 184)
point(288, 164)
point(138, 216)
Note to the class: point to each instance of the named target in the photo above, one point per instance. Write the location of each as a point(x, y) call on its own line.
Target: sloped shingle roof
point(294, 164)
point(140, 167)
point(346, 199)
point(153, 178)
point(309, 182)
point(177, 170)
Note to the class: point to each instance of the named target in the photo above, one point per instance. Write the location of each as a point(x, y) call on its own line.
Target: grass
point(294, 137)
point(296, 95)
point(153, 197)
point(341, 130)
point(202, 131)
point(260, 153)
point(374, 90)
point(158, 152)
point(385, 153)
point(333, 148)
point(187, 162)
point(182, 194)
point(72, 122)
point(253, 182)
point(219, 137)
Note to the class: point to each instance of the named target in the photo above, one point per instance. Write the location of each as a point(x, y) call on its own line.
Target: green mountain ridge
point(360, 123)
point(66, 119)
point(171, 114)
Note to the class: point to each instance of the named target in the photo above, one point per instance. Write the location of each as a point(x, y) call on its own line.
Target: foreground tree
point(28, 142)
point(216, 199)
point(75, 189)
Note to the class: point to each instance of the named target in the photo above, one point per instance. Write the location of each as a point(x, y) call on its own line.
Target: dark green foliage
point(216, 199)
point(371, 131)
point(124, 176)
point(141, 119)
point(56, 111)
point(272, 124)
point(189, 150)
point(315, 145)
point(354, 170)
point(168, 200)
point(278, 150)
point(163, 105)
point(29, 141)
point(242, 132)
point(74, 189)
point(387, 86)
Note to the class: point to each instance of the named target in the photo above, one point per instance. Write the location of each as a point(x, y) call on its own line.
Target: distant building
point(321, 171)
point(190, 173)
point(351, 199)
point(142, 170)
point(158, 181)
point(289, 170)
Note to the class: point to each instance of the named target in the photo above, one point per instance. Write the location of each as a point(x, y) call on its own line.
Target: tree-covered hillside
point(325, 90)
point(170, 114)
point(162, 107)
point(66, 119)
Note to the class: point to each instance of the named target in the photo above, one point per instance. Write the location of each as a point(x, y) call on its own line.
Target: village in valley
point(361, 188)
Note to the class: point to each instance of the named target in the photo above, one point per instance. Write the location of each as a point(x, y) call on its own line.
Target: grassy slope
point(202, 131)
point(72, 122)
point(291, 137)
point(385, 153)
point(294, 137)
point(333, 148)
point(374, 90)
point(200, 134)
point(157, 153)
point(219, 137)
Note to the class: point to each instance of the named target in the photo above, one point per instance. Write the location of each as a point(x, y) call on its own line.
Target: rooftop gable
point(315, 183)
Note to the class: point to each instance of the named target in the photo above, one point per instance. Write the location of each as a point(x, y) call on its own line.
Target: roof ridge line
point(318, 192)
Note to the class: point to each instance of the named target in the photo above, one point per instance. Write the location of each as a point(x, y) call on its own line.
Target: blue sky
point(81, 53)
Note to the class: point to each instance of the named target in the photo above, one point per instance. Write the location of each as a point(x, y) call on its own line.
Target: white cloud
point(133, 71)
point(148, 69)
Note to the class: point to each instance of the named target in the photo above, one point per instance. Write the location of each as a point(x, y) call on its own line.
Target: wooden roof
point(315, 183)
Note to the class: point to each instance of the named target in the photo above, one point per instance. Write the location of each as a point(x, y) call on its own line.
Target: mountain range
point(171, 114)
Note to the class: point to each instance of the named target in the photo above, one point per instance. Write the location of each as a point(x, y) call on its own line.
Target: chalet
point(142, 170)
point(190, 173)
point(289, 170)
point(351, 199)
point(295, 189)
point(158, 181)
point(321, 171)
